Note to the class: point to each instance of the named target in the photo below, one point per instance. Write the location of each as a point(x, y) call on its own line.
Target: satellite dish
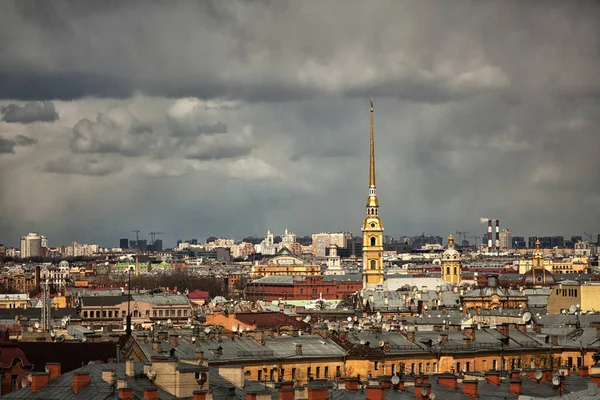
point(349, 319)
point(555, 380)
point(193, 339)
point(241, 329)
point(207, 330)
point(29, 377)
point(23, 383)
point(527, 317)
point(91, 362)
point(538, 374)
point(84, 339)
point(52, 333)
point(381, 343)
point(307, 319)
point(151, 374)
point(47, 370)
point(432, 396)
point(573, 309)
point(234, 328)
point(37, 325)
point(395, 380)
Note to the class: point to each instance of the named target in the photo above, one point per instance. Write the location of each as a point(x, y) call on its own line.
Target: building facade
point(451, 264)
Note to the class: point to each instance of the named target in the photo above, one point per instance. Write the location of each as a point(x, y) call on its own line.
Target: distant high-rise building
point(31, 245)
point(142, 244)
point(157, 245)
point(506, 239)
point(124, 243)
point(288, 237)
point(132, 244)
point(519, 242)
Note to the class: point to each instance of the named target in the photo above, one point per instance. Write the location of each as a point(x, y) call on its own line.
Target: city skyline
point(215, 125)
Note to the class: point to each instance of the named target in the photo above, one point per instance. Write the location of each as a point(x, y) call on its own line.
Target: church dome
point(537, 277)
point(450, 254)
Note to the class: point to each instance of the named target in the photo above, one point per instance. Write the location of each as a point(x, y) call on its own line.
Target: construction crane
point(463, 235)
point(137, 236)
point(153, 235)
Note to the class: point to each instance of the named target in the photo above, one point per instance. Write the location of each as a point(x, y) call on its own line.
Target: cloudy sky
point(229, 118)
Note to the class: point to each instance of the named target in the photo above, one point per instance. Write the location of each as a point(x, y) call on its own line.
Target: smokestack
point(497, 233)
point(489, 233)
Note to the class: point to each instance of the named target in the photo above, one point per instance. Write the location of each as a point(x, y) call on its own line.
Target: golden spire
point(372, 155)
point(450, 240)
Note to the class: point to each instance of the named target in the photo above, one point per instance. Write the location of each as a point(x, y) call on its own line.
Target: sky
point(229, 118)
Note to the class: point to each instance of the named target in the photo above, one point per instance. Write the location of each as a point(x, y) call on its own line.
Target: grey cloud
point(115, 130)
point(181, 130)
point(7, 146)
point(29, 112)
point(222, 145)
point(82, 165)
point(426, 52)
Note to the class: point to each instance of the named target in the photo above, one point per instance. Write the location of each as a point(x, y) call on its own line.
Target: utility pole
point(128, 319)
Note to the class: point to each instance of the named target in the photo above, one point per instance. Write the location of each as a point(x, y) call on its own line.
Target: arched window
point(447, 270)
point(373, 241)
point(454, 270)
point(373, 264)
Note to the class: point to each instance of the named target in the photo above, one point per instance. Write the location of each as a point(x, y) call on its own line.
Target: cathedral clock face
point(372, 224)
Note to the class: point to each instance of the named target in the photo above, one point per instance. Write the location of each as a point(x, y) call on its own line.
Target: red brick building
point(14, 365)
point(335, 287)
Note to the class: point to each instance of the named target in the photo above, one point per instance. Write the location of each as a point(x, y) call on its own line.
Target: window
point(154, 313)
point(103, 314)
point(495, 365)
point(318, 372)
point(308, 373)
point(122, 313)
point(458, 367)
point(420, 368)
point(376, 365)
point(281, 374)
point(326, 372)
point(160, 313)
point(85, 314)
point(179, 313)
point(147, 313)
point(454, 270)
point(97, 314)
point(468, 366)
point(272, 375)
point(13, 382)
point(373, 264)
point(447, 270)
point(373, 241)
point(412, 368)
point(110, 314)
point(293, 373)
point(259, 375)
point(185, 313)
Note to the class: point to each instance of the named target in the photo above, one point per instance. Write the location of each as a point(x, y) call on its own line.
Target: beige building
point(322, 241)
point(505, 239)
point(585, 296)
point(285, 263)
point(31, 245)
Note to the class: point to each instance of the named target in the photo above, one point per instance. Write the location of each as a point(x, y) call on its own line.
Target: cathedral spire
point(372, 154)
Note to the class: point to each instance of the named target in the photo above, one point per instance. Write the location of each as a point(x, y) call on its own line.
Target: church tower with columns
point(372, 228)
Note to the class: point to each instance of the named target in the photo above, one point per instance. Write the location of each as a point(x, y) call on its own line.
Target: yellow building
point(14, 301)
point(372, 227)
point(285, 263)
point(575, 265)
point(451, 264)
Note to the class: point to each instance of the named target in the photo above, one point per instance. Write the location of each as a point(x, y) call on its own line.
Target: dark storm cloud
point(29, 112)
point(7, 146)
point(91, 166)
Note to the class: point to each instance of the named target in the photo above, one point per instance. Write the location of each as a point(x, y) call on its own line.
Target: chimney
point(592, 390)
point(151, 394)
point(318, 393)
point(38, 380)
point(53, 369)
point(469, 332)
point(298, 349)
point(400, 386)
point(424, 289)
point(285, 394)
point(126, 394)
point(129, 370)
point(156, 347)
point(448, 380)
point(410, 336)
point(493, 377)
point(173, 340)
point(200, 394)
point(351, 384)
point(503, 329)
point(80, 379)
point(489, 233)
point(515, 374)
point(375, 393)
point(470, 388)
point(443, 338)
point(584, 371)
point(234, 374)
point(516, 386)
point(121, 383)
point(497, 233)
point(522, 328)
point(594, 377)
point(108, 376)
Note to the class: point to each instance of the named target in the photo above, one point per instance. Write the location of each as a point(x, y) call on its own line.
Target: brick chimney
point(515, 374)
point(351, 384)
point(80, 379)
point(516, 386)
point(418, 391)
point(53, 369)
point(547, 374)
point(129, 370)
point(595, 379)
point(584, 371)
point(469, 332)
point(298, 349)
point(493, 377)
point(126, 394)
point(400, 386)
point(285, 394)
point(448, 380)
point(318, 393)
point(151, 394)
point(200, 394)
point(38, 380)
point(522, 328)
point(470, 388)
point(375, 393)
point(503, 329)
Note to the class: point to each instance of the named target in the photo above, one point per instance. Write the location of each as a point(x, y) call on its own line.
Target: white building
point(506, 239)
point(31, 245)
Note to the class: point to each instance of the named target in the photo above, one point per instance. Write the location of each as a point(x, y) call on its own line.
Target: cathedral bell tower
point(372, 227)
